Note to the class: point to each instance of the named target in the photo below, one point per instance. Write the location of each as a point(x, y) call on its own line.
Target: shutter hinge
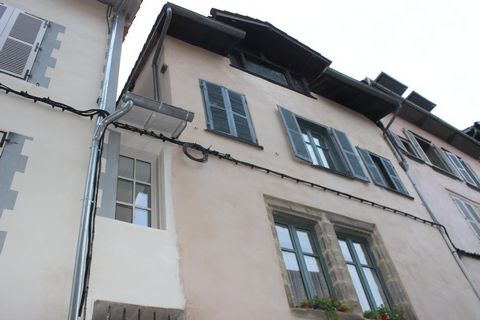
point(37, 47)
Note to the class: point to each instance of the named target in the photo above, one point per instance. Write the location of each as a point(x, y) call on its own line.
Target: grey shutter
point(458, 166)
point(471, 173)
point(393, 175)
point(215, 107)
point(399, 143)
point(241, 117)
point(349, 154)
point(20, 43)
point(375, 173)
point(294, 134)
point(469, 213)
point(416, 146)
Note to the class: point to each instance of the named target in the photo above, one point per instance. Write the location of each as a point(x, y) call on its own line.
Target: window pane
point(312, 154)
point(323, 158)
point(125, 167)
point(296, 281)
point(345, 251)
point(142, 217)
point(361, 253)
point(284, 237)
point(142, 195)
point(304, 240)
point(362, 297)
point(375, 287)
point(317, 276)
point(124, 191)
point(123, 213)
point(142, 172)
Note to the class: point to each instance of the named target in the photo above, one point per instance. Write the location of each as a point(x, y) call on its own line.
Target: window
point(321, 146)
point(269, 71)
point(227, 112)
point(136, 188)
point(302, 260)
point(20, 38)
point(382, 171)
point(404, 145)
point(470, 211)
point(365, 275)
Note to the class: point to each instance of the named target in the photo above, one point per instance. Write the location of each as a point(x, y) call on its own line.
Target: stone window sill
point(315, 314)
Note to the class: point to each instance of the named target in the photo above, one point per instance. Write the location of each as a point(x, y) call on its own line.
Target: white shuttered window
point(20, 39)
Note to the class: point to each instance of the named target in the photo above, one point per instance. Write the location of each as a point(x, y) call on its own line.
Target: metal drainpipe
point(163, 33)
point(107, 102)
point(453, 251)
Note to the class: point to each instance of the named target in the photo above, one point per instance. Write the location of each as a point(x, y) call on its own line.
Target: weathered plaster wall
point(228, 261)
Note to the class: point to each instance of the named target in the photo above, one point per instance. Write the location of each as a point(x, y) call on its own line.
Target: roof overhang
point(190, 27)
point(356, 95)
point(262, 38)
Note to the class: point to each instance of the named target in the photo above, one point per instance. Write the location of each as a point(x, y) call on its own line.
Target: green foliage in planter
point(392, 313)
point(331, 306)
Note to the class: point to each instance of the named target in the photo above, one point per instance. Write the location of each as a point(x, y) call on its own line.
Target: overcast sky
point(431, 46)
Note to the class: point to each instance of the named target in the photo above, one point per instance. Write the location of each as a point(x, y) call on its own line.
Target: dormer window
point(267, 70)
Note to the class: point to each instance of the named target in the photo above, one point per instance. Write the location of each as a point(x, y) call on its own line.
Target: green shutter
point(392, 173)
point(416, 146)
point(241, 117)
point(375, 173)
point(294, 134)
point(349, 154)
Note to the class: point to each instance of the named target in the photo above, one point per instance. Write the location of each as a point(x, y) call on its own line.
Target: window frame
point(293, 225)
point(387, 182)
point(350, 239)
point(229, 113)
point(240, 58)
point(153, 161)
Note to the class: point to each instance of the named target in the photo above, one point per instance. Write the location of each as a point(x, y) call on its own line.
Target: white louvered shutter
point(20, 42)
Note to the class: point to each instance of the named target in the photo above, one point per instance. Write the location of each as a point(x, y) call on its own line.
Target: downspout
point(404, 165)
point(107, 102)
point(158, 50)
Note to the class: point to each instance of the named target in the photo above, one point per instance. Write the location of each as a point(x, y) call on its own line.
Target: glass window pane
point(142, 172)
point(361, 253)
point(323, 159)
point(124, 191)
point(142, 217)
point(316, 141)
point(317, 276)
point(312, 154)
point(142, 195)
point(123, 213)
point(305, 138)
point(284, 237)
point(375, 287)
point(362, 297)
point(304, 240)
point(295, 277)
point(345, 251)
point(125, 167)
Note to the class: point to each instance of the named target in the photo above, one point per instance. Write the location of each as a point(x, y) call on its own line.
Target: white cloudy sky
point(432, 46)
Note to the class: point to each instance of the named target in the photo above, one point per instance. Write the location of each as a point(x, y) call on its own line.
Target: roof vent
point(421, 101)
point(390, 83)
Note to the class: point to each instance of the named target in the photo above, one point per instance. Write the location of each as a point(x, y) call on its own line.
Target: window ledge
point(413, 157)
point(438, 169)
point(266, 79)
point(343, 174)
point(474, 187)
point(321, 315)
point(253, 144)
point(395, 191)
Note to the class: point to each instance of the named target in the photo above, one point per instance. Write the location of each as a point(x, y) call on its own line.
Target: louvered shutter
point(416, 146)
point(469, 213)
point(398, 142)
point(20, 42)
point(294, 134)
point(3, 139)
point(5, 14)
point(471, 172)
point(349, 154)
point(392, 173)
point(375, 173)
point(215, 107)
point(455, 162)
point(241, 117)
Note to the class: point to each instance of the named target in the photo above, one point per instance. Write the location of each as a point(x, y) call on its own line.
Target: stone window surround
point(326, 226)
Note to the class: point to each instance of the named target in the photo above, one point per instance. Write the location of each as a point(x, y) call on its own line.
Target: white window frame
point(472, 220)
point(153, 160)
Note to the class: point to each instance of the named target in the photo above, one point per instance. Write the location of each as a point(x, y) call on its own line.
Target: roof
point(416, 110)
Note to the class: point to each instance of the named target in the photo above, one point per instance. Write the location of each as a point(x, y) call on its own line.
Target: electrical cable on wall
point(187, 146)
